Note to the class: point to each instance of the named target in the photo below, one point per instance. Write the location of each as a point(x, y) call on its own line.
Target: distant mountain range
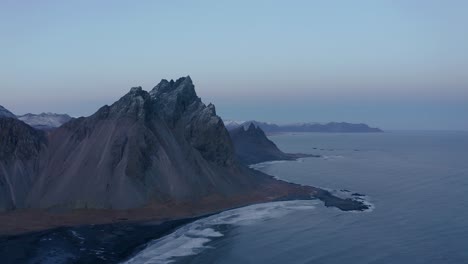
point(45, 121)
point(331, 127)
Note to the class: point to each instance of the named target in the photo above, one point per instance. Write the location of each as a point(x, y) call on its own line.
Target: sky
point(392, 64)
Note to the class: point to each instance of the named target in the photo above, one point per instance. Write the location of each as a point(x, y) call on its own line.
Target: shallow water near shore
point(416, 181)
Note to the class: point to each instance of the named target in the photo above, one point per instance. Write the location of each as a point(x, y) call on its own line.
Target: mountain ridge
point(6, 113)
point(330, 127)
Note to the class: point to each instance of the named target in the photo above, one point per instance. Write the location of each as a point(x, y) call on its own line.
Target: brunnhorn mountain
point(252, 146)
point(151, 155)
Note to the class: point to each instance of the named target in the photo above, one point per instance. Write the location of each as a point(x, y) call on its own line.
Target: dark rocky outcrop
point(252, 146)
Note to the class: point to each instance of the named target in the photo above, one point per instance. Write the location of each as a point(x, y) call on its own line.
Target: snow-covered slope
point(45, 121)
point(231, 124)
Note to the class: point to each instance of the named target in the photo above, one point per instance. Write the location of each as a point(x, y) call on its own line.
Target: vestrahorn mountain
point(151, 155)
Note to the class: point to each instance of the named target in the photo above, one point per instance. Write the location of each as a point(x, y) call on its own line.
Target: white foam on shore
point(363, 198)
point(261, 165)
point(191, 239)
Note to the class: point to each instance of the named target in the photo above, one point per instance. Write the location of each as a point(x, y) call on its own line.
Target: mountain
point(231, 124)
point(252, 146)
point(20, 150)
point(45, 121)
point(331, 127)
point(165, 145)
point(19, 159)
point(5, 113)
point(162, 154)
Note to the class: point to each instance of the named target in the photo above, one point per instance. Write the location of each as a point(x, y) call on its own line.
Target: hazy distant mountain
point(331, 127)
point(252, 146)
point(45, 121)
point(5, 113)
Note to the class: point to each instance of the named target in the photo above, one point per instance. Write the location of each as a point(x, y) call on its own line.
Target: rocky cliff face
point(19, 161)
point(193, 122)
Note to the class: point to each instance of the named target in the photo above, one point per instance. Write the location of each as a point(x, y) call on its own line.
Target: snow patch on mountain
point(45, 120)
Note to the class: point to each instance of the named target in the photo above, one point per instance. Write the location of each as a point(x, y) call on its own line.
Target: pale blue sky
point(393, 64)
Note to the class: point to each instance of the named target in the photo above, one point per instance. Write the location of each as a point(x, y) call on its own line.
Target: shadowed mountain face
point(146, 148)
point(252, 146)
point(19, 161)
point(5, 113)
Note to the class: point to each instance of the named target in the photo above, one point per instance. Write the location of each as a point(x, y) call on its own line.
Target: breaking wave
point(261, 165)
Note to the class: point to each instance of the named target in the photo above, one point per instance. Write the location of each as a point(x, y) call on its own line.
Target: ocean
point(416, 182)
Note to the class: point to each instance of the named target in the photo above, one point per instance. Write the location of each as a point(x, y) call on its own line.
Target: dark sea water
point(417, 183)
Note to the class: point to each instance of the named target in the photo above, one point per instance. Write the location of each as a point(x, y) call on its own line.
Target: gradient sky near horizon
point(392, 64)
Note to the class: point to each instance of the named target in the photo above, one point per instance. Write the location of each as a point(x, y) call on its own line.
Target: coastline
point(96, 235)
point(112, 242)
point(91, 236)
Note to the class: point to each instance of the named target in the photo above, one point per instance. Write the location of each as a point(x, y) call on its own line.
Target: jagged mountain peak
point(212, 108)
point(137, 103)
point(174, 98)
point(135, 90)
point(181, 88)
